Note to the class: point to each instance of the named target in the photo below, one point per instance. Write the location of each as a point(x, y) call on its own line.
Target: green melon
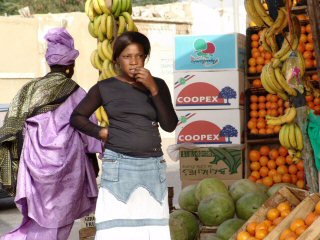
point(241, 187)
point(229, 227)
point(187, 198)
point(272, 190)
point(249, 203)
point(215, 209)
point(183, 225)
point(208, 186)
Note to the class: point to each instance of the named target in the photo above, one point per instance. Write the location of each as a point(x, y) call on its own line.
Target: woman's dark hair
point(128, 38)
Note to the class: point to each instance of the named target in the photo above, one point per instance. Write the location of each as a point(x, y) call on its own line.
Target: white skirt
point(137, 219)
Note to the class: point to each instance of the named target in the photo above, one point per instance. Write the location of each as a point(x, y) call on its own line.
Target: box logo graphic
point(204, 53)
point(202, 93)
point(205, 132)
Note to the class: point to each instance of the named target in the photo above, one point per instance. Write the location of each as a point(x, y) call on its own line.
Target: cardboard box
point(210, 52)
point(209, 90)
point(88, 221)
point(200, 163)
point(210, 127)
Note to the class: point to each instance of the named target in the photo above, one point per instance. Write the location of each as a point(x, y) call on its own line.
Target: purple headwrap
point(60, 47)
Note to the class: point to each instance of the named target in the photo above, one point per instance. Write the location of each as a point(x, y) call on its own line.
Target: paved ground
point(10, 217)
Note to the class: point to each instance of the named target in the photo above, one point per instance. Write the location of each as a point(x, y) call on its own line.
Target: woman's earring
point(67, 71)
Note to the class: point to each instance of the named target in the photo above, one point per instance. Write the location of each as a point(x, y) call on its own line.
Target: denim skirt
point(133, 199)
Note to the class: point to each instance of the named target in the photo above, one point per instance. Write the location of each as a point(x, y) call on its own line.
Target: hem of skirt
point(131, 223)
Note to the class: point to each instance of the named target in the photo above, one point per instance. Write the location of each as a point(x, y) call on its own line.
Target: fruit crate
point(87, 233)
point(294, 196)
point(250, 135)
point(300, 212)
point(207, 232)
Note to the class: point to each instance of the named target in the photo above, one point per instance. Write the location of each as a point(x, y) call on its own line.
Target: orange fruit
point(252, 62)
point(272, 164)
point(256, 83)
point(255, 166)
point(253, 98)
point(293, 169)
point(254, 106)
point(298, 222)
point(254, 44)
point(277, 178)
point(263, 160)
point(251, 227)
point(300, 165)
point(294, 178)
point(309, 98)
point(255, 174)
point(264, 150)
point(273, 213)
point(280, 160)
point(243, 235)
point(252, 124)
point(289, 160)
point(254, 114)
point(273, 154)
point(285, 234)
point(261, 226)
point(277, 221)
point(277, 128)
point(268, 181)
point(286, 178)
point(310, 218)
point(301, 183)
point(255, 37)
point(308, 28)
point(282, 169)
point(283, 151)
point(272, 172)
point(317, 208)
point(300, 230)
point(285, 213)
point(254, 155)
point(261, 233)
point(252, 70)
point(264, 171)
point(284, 206)
point(300, 175)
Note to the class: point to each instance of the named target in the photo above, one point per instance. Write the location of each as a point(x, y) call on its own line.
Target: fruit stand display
point(282, 86)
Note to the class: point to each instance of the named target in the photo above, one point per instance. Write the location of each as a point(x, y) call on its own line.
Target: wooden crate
point(292, 195)
point(87, 233)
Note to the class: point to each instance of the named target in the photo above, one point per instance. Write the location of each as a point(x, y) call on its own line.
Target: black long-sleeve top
point(133, 116)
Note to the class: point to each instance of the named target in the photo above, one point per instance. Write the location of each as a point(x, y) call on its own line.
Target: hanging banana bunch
point(274, 77)
point(108, 19)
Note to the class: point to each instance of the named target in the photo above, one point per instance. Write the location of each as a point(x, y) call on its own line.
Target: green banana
point(283, 83)
point(91, 29)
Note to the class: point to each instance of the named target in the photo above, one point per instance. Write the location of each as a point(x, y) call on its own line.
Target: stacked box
point(209, 95)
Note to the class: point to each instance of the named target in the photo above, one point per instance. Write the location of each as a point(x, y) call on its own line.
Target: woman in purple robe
point(44, 162)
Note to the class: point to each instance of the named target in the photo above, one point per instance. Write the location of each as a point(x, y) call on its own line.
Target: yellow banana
point(272, 79)
point(284, 136)
point(122, 25)
point(87, 7)
point(91, 29)
point(103, 7)
point(264, 81)
point(283, 95)
point(104, 46)
point(299, 138)
point(96, 24)
point(110, 25)
point(97, 60)
point(263, 13)
point(104, 115)
point(273, 43)
point(284, 22)
point(98, 115)
point(285, 47)
point(103, 124)
point(296, 25)
point(288, 117)
point(275, 62)
point(97, 7)
point(105, 67)
point(100, 52)
point(302, 63)
point(100, 34)
point(103, 24)
point(263, 41)
point(292, 137)
point(92, 58)
point(111, 70)
point(129, 21)
point(91, 13)
point(283, 83)
point(251, 12)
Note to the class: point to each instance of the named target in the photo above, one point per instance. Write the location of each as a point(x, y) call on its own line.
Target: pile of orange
point(299, 225)
point(259, 230)
point(259, 56)
point(313, 102)
point(275, 165)
point(306, 46)
point(263, 105)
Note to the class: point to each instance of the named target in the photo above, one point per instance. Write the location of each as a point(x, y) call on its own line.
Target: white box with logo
point(210, 128)
point(208, 90)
